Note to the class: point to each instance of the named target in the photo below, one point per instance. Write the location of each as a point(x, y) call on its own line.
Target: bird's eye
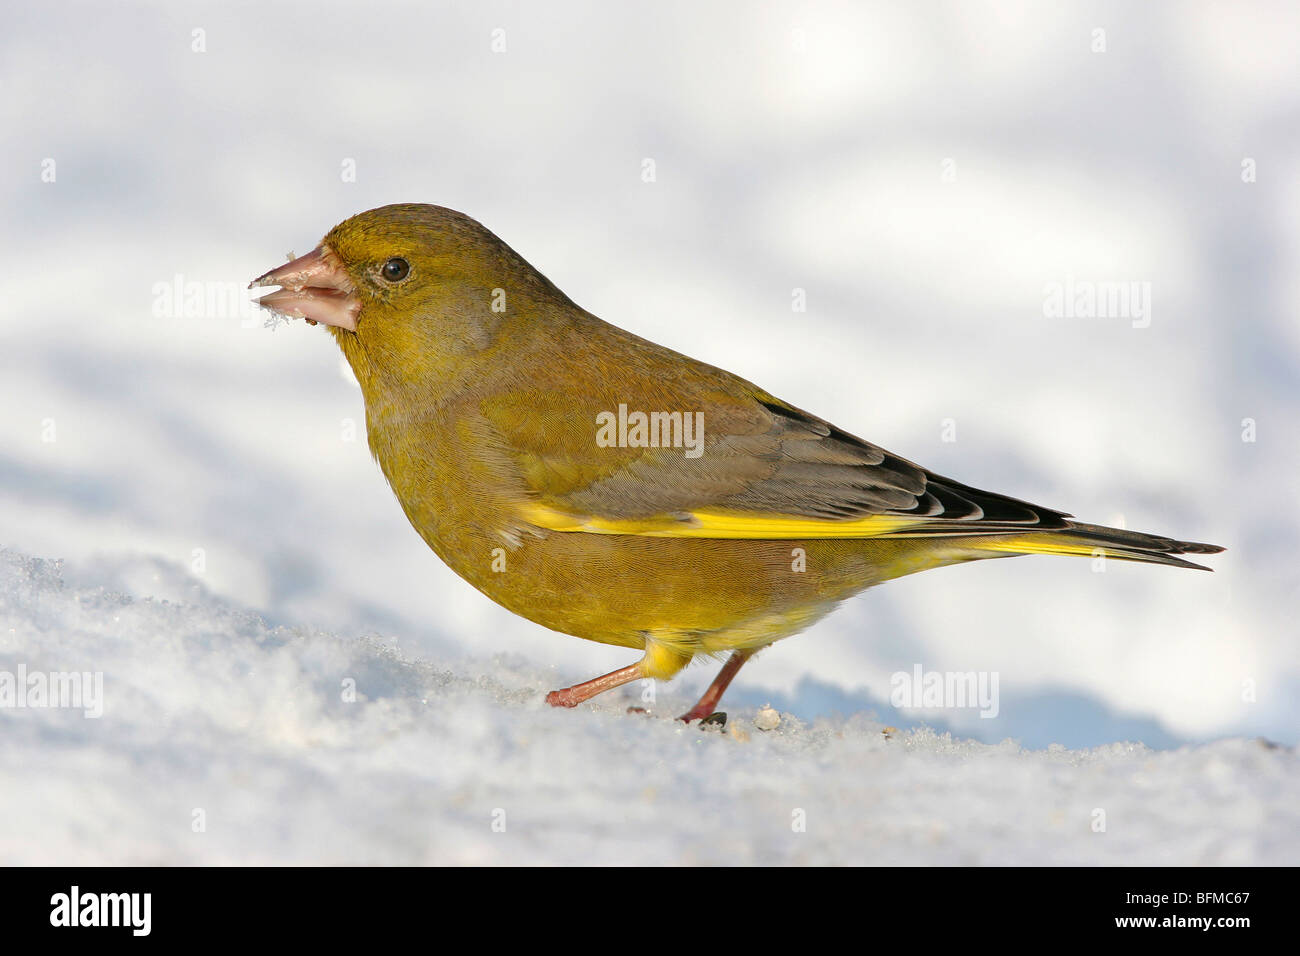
point(396, 269)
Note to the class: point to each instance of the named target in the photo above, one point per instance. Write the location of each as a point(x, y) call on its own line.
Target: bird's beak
point(314, 287)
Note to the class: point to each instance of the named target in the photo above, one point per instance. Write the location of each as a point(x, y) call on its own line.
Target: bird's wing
point(764, 469)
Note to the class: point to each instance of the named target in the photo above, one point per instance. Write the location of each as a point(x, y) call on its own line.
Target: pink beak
point(314, 287)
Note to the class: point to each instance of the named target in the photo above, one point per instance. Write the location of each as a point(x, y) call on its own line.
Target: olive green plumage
point(484, 385)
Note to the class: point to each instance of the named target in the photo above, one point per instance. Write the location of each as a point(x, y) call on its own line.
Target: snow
point(212, 716)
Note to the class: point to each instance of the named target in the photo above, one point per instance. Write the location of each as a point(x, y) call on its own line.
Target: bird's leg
point(709, 702)
point(662, 660)
point(575, 695)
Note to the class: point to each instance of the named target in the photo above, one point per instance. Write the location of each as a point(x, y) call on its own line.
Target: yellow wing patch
point(718, 524)
point(1045, 545)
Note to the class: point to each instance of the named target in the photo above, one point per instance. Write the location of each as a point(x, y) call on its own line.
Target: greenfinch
point(610, 488)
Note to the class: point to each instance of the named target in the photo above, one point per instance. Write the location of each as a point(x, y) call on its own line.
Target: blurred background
point(922, 176)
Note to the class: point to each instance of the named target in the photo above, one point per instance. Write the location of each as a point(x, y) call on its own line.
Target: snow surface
point(447, 759)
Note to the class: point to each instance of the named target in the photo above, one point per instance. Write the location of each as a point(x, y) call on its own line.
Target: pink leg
point(709, 702)
point(575, 695)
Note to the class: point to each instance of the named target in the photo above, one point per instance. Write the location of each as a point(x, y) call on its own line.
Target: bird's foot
point(575, 695)
point(704, 713)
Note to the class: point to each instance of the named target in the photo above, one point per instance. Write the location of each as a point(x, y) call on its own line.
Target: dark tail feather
point(1093, 539)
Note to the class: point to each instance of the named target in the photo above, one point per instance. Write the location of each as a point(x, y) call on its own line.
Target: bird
point(610, 488)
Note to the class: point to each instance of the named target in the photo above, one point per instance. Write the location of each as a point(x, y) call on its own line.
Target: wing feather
point(774, 471)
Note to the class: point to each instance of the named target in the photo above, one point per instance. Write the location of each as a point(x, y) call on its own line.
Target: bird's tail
point(1092, 540)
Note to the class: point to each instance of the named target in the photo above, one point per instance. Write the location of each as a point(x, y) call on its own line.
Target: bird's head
point(413, 293)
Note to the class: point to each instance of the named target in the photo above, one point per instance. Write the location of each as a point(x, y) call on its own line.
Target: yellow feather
point(718, 524)
point(1023, 545)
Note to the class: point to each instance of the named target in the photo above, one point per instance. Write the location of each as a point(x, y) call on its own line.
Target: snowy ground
point(224, 740)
